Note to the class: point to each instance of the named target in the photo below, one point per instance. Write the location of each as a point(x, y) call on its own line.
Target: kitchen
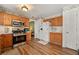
point(49, 35)
point(14, 29)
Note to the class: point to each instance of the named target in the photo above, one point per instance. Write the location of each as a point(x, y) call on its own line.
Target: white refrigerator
point(44, 31)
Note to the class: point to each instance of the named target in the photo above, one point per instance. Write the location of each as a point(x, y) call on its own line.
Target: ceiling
point(38, 10)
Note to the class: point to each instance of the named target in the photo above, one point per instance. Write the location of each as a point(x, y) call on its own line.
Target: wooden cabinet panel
point(57, 21)
point(26, 21)
point(0, 44)
point(1, 18)
point(52, 37)
point(7, 40)
point(28, 37)
point(60, 21)
point(14, 17)
point(56, 38)
point(7, 20)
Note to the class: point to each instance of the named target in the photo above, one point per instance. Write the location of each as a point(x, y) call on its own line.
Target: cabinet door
point(69, 29)
point(1, 18)
point(58, 38)
point(57, 21)
point(8, 40)
point(14, 17)
point(26, 21)
point(52, 37)
point(0, 43)
point(7, 19)
point(28, 36)
point(54, 22)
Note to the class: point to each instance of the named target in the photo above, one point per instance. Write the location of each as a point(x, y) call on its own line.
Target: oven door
point(19, 39)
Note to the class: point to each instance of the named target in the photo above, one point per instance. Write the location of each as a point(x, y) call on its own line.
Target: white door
point(69, 29)
point(46, 31)
point(78, 30)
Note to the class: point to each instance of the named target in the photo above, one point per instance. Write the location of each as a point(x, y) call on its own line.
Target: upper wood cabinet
point(57, 21)
point(26, 21)
point(6, 19)
point(1, 18)
point(14, 17)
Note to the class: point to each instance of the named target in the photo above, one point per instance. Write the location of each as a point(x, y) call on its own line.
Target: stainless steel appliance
point(19, 34)
point(16, 23)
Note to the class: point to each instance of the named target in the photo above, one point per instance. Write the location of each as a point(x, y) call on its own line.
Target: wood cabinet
point(7, 39)
point(28, 37)
point(5, 42)
point(1, 43)
point(57, 21)
point(26, 21)
point(56, 38)
point(14, 17)
point(5, 19)
point(1, 18)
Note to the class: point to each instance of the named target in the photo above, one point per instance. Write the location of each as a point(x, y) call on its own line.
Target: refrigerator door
point(45, 32)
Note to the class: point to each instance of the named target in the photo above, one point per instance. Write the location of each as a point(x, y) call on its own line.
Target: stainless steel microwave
point(16, 23)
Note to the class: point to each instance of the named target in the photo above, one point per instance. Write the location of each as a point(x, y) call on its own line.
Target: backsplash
point(5, 29)
point(56, 29)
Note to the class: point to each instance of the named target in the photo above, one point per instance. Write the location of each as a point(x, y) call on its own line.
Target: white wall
point(5, 29)
point(37, 28)
point(57, 29)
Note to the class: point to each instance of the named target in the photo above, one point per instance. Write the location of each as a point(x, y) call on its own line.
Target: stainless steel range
point(18, 35)
point(18, 32)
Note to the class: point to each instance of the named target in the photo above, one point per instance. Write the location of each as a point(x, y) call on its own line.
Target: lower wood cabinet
point(56, 38)
point(28, 37)
point(1, 43)
point(5, 42)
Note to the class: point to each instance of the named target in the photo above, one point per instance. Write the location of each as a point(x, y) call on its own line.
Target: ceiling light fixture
point(24, 8)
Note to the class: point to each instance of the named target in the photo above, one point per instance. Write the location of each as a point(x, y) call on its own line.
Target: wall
point(58, 29)
point(5, 29)
point(37, 27)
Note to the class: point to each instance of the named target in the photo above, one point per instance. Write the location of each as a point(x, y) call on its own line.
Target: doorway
point(32, 28)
